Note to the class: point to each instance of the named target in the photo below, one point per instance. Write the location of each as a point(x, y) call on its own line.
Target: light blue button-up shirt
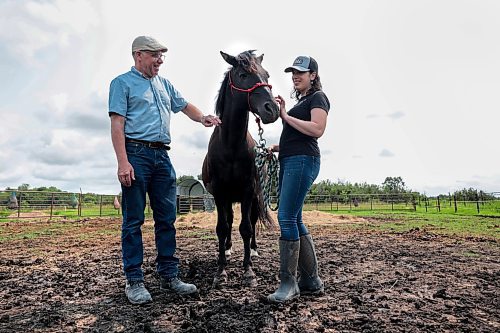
point(146, 104)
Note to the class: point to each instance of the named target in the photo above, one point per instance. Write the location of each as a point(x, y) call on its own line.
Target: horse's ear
point(229, 59)
point(260, 58)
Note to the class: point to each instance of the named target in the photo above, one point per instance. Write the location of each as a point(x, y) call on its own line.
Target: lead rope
point(268, 169)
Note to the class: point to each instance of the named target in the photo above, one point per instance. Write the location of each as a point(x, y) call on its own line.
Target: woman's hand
point(281, 103)
point(273, 148)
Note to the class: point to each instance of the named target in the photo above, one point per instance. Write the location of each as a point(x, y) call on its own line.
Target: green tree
point(182, 178)
point(394, 185)
point(23, 187)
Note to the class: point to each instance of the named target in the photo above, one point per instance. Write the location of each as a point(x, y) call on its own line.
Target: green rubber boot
point(309, 281)
point(288, 288)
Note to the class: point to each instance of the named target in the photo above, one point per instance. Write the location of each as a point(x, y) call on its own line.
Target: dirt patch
point(71, 281)
point(31, 214)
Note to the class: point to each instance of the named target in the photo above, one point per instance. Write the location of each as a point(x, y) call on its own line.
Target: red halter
point(249, 90)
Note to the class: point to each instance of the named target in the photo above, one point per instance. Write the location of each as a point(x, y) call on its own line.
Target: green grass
point(201, 234)
point(104, 232)
point(440, 223)
point(471, 254)
point(32, 232)
point(70, 213)
point(5, 213)
point(465, 223)
point(487, 208)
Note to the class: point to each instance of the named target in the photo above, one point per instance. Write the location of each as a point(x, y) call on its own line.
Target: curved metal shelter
point(190, 188)
point(192, 196)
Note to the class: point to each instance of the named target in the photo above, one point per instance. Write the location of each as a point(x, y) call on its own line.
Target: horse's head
point(249, 78)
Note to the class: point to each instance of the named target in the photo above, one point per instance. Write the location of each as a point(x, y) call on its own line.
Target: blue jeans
point(297, 174)
point(154, 175)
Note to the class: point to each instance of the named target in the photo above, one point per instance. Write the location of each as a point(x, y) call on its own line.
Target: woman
point(299, 158)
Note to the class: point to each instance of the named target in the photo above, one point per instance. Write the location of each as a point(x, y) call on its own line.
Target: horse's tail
point(263, 213)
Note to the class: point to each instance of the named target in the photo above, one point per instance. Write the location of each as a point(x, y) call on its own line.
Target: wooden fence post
point(51, 205)
point(455, 202)
point(477, 202)
point(20, 203)
point(80, 204)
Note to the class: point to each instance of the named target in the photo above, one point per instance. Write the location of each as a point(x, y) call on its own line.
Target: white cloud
point(408, 99)
point(386, 153)
point(30, 26)
point(396, 115)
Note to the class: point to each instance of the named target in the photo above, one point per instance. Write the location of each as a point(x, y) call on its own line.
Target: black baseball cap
point(303, 64)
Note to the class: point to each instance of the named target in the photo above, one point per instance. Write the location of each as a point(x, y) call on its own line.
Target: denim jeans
point(297, 174)
point(154, 175)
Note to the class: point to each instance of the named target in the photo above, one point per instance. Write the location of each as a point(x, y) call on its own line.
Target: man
point(140, 106)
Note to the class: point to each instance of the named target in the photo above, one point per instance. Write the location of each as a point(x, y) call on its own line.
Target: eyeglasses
point(155, 55)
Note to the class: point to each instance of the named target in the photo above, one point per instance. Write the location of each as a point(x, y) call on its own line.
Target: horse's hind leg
point(229, 220)
point(254, 216)
point(249, 278)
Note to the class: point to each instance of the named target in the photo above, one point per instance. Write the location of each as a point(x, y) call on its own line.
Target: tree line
point(392, 187)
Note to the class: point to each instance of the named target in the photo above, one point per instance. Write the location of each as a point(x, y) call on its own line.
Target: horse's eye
point(243, 76)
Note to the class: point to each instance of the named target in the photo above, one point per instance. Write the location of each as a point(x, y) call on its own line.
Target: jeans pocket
point(134, 148)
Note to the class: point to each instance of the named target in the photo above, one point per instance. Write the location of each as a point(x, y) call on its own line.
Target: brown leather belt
point(156, 145)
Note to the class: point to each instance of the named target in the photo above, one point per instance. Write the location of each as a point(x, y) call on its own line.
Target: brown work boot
point(137, 293)
point(177, 286)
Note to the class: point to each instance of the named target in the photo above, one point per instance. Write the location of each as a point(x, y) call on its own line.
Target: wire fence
point(487, 204)
point(36, 204)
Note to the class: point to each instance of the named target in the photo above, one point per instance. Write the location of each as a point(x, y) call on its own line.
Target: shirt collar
point(137, 72)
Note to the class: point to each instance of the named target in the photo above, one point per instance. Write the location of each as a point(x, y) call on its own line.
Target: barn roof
point(190, 187)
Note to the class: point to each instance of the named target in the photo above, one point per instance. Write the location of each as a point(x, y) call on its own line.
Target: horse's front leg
point(253, 219)
point(222, 231)
point(246, 232)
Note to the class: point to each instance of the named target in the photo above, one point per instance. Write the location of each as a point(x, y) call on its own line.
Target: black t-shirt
point(293, 142)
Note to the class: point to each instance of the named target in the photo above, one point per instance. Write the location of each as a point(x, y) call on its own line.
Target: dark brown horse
point(229, 171)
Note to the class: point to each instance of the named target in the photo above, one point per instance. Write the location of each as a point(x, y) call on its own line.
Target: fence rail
point(34, 204)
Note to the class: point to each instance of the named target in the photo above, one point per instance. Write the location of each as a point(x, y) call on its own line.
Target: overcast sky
point(414, 84)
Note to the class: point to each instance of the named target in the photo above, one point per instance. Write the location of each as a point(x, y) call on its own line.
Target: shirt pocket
point(164, 99)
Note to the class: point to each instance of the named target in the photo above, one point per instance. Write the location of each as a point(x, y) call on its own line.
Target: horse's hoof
point(219, 280)
point(250, 282)
point(254, 253)
point(249, 279)
point(228, 253)
point(216, 284)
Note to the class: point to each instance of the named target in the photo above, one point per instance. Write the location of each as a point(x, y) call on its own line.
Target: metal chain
point(268, 169)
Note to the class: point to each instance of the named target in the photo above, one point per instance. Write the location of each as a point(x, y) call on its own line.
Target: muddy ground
point(65, 276)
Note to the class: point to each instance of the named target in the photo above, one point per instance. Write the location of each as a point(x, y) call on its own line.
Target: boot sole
point(277, 301)
point(179, 293)
point(317, 292)
point(139, 302)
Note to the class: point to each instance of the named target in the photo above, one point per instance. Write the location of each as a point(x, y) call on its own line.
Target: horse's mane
point(245, 59)
point(219, 104)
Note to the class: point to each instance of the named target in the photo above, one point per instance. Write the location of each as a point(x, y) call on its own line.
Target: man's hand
point(126, 174)
point(210, 120)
